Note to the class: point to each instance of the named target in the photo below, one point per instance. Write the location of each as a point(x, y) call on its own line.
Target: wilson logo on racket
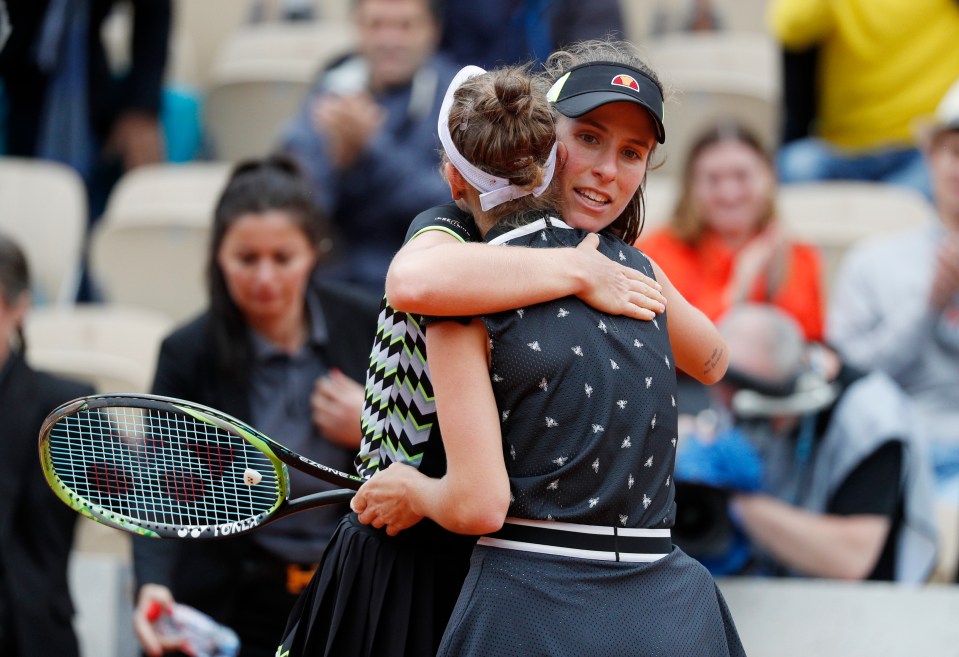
point(627, 81)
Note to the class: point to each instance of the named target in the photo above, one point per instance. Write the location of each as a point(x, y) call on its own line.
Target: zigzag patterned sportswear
point(375, 595)
point(399, 412)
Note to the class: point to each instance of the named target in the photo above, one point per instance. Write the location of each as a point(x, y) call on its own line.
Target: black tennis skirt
point(526, 604)
point(375, 595)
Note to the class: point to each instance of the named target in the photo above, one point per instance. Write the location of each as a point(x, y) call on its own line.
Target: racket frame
point(278, 455)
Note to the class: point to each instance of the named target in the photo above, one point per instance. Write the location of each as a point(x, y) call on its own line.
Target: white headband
point(493, 190)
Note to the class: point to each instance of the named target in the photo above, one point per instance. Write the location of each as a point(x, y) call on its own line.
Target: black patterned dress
point(588, 411)
point(375, 595)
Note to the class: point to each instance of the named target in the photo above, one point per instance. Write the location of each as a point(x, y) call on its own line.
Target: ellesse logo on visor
point(627, 81)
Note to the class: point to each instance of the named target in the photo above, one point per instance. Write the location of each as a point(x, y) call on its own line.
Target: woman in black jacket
point(283, 354)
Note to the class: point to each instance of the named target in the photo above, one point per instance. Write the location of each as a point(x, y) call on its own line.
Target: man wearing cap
point(895, 304)
point(846, 490)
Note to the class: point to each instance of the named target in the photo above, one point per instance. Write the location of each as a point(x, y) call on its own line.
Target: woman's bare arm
point(435, 274)
point(698, 348)
point(473, 496)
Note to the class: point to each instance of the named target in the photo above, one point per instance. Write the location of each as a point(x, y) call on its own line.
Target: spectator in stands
point(879, 68)
point(367, 134)
point(499, 32)
point(283, 355)
point(725, 244)
point(848, 491)
point(36, 529)
point(907, 324)
point(64, 101)
point(688, 16)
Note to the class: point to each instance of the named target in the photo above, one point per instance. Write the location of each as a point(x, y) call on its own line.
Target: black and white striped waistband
point(566, 539)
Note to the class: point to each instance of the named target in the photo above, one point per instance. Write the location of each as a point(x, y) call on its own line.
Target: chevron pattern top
point(399, 412)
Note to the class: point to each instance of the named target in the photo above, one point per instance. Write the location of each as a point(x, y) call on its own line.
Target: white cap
point(946, 116)
point(947, 113)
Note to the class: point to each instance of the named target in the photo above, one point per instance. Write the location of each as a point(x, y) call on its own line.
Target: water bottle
point(201, 635)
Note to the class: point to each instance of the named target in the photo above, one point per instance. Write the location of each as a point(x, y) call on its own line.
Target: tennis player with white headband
point(493, 189)
point(556, 451)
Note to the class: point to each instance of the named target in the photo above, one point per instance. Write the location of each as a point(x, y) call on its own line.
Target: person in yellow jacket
point(881, 65)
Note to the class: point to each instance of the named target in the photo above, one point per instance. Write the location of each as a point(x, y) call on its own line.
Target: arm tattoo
point(714, 359)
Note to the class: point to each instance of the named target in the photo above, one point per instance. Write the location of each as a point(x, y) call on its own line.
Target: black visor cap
point(594, 84)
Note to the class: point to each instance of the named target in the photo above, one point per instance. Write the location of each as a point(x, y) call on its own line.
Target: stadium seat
point(743, 15)
point(260, 76)
point(715, 76)
point(660, 197)
point(837, 215)
point(200, 28)
point(43, 206)
point(752, 56)
point(112, 347)
point(150, 248)
point(735, 15)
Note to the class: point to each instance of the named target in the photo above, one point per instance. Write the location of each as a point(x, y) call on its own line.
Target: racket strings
point(162, 468)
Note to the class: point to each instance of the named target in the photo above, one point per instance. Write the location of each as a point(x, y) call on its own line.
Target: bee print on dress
point(652, 424)
point(550, 422)
point(646, 501)
point(553, 485)
point(623, 520)
point(512, 452)
point(562, 313)
point(630, 482)
point(667, 362)
point(622, 404)
point(627, 442)
point(613, 365)
point(598, 428)
point(622, 256)
point(521, 312)
point(593, 501)
point(649, 462)
point(655, 323)
point(637, 343)
point(505, 415)
point(578, 350)
point(497, 378)
point(596, 466)
point(649, 382)
point(602, 326)
point(561, 460)
point(667, 480)
point(534, 345)
point(589, 390)
point(543, 384)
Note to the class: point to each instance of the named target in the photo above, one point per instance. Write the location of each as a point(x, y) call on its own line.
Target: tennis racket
point(168, 468)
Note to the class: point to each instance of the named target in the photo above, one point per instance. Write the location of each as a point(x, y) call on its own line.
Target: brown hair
point(687, 221)
point(501, 123)
point(629, 224)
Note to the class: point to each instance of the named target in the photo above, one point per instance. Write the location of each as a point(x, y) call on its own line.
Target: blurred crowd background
point(806, 199)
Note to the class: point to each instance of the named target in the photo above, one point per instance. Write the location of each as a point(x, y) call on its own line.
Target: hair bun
point(514, 94)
